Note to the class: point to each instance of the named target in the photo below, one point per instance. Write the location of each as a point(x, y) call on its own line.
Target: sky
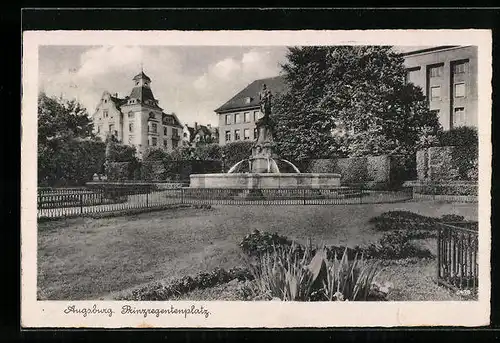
point(190, 81)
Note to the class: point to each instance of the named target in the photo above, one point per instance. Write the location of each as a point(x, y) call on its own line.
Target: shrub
point(118, 171)
point(258, 243)
point(397, 220)
point(452, 218)
point(393, 245)
point(465, 153)
point(236, 151)
point(397, 245)
point(160, 291)
point(284, 275)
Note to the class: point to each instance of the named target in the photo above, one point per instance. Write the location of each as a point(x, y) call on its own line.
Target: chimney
point(195, 126)
point(115, 95)
point(209, 126)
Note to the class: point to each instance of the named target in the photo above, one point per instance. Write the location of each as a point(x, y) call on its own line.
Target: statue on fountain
point(264, 125)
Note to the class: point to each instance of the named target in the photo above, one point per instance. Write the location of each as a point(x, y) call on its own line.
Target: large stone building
point(237, 116)
point(448, 78)
point(137, 120)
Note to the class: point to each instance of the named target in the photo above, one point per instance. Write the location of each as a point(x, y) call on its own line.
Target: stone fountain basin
point(266, 180)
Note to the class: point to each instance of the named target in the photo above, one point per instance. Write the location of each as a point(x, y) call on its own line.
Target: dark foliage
point(159, 291)
point(393, 245)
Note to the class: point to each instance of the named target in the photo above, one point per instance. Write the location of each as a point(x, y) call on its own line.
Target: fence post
point(182, 196)
point(439, 252)
point(81, 203)
point(304, 196)
point(147, 198)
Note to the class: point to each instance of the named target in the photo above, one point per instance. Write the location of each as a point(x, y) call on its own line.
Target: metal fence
point(80, 201)
point(455, 192)
point(457, 254)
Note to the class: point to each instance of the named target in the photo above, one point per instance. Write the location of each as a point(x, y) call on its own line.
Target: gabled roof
point(118, 101)
point(274, 84)
point(174, 117)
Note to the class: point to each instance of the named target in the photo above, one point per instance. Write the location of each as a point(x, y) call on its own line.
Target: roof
point(275, 84)
point(428, 49)
point(118, 101)
point(141, 75)
point(173, 116)
point(142, 94)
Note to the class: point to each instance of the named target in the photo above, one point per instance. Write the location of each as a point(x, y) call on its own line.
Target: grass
point(84, 258)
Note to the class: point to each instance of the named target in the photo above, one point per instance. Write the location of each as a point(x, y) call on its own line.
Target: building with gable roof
point(237, 117)
point(137, 120)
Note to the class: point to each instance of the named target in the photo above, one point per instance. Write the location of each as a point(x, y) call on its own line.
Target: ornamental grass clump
point(283, 274)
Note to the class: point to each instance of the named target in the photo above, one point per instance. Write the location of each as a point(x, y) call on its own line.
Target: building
point(237, 116)
point(137, 120)
point(199, 134)
point(448, 78)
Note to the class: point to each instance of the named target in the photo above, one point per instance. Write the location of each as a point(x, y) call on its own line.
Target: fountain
point(262, 169)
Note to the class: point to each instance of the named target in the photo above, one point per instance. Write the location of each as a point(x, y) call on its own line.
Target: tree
point(68, 152)
point(349, 101)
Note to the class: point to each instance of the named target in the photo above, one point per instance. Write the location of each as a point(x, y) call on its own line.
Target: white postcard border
point(251, 314)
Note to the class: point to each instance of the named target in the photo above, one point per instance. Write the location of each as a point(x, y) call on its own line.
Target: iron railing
point(456, 192)
point(457, 255)
point(81, 201)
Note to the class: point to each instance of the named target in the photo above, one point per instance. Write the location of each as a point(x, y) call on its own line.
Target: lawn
point(84, 258)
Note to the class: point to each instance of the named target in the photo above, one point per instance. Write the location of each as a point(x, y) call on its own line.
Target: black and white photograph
point(172, 180)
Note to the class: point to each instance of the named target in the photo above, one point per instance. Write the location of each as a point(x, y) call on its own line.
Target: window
point(228, 119)
point(255, 133)
point(99, 129)
point(460, 90)
point(111, 127)
point(130, 139)
point(257, 115)
point(154, 140)
point(246, 134)
point(165, 131)
point(175, 133)
point(237, 135)
point(247, 117)
point(154, 128)
point(152, 115)
point(460, 67)
point(436, 112)
point(436, 92)
point(228, 136)
point(458, 116)
point(175, 144)
point(436, 71)
point(237, 118)
point(105, 113)
point(248, 100)
point(185, 135)
point(165, 143)
point(131, 114)
point(412, 75)
point(131, 127)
